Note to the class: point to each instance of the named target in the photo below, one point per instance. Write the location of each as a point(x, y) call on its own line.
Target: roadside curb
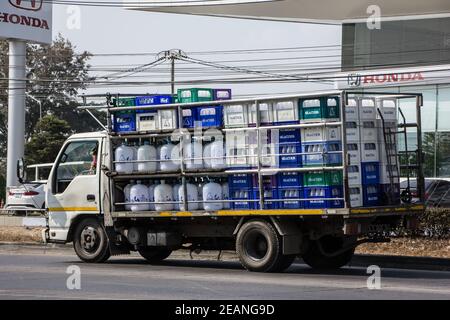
point(359, 260)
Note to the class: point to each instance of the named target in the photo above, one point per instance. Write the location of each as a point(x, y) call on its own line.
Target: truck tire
point(316, 259)
point(91, 242)
point(154, 255)
point(258, 246)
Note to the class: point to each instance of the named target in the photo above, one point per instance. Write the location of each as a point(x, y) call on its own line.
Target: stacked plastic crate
point(148, 120)
point(389, 190)
point(321, 146)
point(124, 121)
point(206, 116)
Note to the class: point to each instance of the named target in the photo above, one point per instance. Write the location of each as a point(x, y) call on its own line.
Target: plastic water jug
point(169, 157)
point(192, 196)
point(151, 196)
point(193, 155)
point(212, 192)
point(217, 155)
point(226, 195)
point(124, 153)
point(138, 194)
point(207, 156)
point(126, 193)
point(175, 189)
point(163, 193)
point(146, 152)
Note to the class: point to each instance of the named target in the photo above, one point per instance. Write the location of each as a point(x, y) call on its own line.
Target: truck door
point(73, 186)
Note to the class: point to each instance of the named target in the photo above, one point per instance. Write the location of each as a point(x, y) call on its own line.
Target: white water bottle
point(146, 152)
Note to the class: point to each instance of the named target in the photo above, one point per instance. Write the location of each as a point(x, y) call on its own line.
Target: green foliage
point(45, 144)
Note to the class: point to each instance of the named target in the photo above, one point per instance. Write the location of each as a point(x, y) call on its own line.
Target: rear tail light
point(30, 193)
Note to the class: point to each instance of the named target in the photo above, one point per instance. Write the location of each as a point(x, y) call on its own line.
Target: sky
point(116, 30)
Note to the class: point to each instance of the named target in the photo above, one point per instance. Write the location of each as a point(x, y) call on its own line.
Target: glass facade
point(406, 43)
point(435, 126)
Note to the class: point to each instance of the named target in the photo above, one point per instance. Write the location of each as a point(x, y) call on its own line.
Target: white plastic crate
point(354, 152)
point(268, 157)
point(352, 110)
point(237, 149)
point(388, 108)
point(370, 151)
point(356, 196)
point(368, 130)
point(167, 119)
point(235, 115)
point(354, 174)
point(352, 131)
point(147, 121)
point(265, 111)
point(285, 111)
point(367, 109)
point(331, 133)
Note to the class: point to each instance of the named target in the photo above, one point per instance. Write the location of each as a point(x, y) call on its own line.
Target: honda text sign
point(29, 20)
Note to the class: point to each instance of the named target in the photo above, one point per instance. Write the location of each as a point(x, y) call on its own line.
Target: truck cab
point(73, 187)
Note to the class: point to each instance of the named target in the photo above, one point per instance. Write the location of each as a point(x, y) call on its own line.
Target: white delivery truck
point(302, 194)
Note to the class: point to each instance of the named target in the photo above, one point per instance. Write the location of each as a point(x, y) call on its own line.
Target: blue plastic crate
point(290, 180)
point(124, 122)
point(291, 193)
point(289, 155)
point(269, 193)
point(153, 100)
point(241, 198)
point(189, 116)
point(240, 180)
point(289, 136)
point(371, 195)
point(210, 116)
point(269, 181)
point(370, 172)
point(318, 193)
point(324, 157)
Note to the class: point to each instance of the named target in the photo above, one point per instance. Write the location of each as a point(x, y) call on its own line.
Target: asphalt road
point(42, 275)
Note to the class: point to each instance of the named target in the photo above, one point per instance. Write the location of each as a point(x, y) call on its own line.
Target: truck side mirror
point(20, 170)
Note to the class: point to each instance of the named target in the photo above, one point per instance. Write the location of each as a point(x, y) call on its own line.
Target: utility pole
point(172, 55)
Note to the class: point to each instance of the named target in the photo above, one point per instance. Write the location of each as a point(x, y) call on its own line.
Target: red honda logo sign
point(33, 5)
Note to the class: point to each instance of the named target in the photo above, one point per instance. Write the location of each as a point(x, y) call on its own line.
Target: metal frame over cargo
point(295, 226)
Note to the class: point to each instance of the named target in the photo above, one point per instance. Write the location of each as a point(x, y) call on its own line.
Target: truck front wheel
point(154, 255)
point(90, 241)
point(259, 247)
point(321, 254)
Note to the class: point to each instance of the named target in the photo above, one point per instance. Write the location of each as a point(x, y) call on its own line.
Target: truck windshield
point(78, 158)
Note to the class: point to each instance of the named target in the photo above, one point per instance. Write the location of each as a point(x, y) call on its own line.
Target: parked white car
point(29, 196)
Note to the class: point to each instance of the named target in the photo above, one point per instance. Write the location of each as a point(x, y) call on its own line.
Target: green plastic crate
point(316, 109)
point(322, 178)
point(124, 102)
point(330, 108)
point(195, 95)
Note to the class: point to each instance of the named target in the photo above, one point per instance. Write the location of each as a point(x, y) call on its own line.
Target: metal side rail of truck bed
point(407, 209)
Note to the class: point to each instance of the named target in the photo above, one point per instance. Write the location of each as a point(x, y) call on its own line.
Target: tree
point(55, 75)
point(46, 142)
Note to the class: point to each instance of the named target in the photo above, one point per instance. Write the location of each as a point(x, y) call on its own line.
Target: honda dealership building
point(410, 55)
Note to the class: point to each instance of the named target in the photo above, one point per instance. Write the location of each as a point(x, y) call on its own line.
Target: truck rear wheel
point(258, 246)
point(154, 255)
point(90, 241)
point(324, 259)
